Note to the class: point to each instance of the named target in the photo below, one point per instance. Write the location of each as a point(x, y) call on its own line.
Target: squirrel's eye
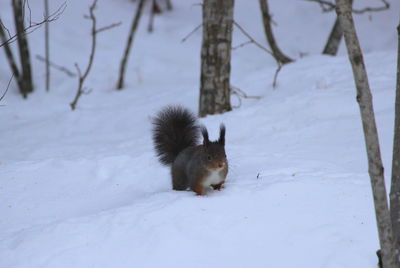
point(209, 157)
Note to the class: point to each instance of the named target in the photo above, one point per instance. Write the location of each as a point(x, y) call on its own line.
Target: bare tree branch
point(266, 18)
point(251, 39)
point(30, 11)
point(2, 28)
point(57, 67)
point(274, 83)
point(328, 6)
point(8, 85)
point(108, 27)
point(132, 31)
point(385, 6)
point(91, 57)
point(192, 32)
point(33, 25)
point(240, 94)
point(242, 44)
point(47, 44)
point(78, 69)
point(82, 76)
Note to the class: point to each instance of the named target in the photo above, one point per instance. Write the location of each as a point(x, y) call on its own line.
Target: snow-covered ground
point(84, 188)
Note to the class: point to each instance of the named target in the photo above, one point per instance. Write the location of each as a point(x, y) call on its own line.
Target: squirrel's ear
point(221, 139)
point(204, 132)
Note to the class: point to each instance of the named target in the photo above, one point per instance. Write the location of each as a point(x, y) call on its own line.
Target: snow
point(84, 188)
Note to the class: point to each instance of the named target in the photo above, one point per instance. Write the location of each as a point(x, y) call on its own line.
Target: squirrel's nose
point(221, 164)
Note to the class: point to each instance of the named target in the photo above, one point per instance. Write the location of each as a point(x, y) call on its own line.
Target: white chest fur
point(214, 177)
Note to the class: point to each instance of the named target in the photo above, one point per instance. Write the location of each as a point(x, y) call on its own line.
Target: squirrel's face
point(214, 156)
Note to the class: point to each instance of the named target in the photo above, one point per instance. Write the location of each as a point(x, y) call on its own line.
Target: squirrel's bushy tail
point(175, 128)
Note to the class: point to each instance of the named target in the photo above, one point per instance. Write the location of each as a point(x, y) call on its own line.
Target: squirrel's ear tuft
point(204, 132)
point(221, 139)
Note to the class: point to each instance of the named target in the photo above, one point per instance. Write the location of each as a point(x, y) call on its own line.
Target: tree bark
point(10, 58)
point(278, 55)
point(26, 77)
point(216, 57)
point(395, 183)
point(132, 32)
point(364, 99)
point(46, 41)
point(334, 39)
point(332, 45)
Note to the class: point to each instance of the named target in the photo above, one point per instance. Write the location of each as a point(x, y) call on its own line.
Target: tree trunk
point(216, 57)
point(395, 184)
point(26, 77)
point(364, 99)
point(332, 45)
point(169, 4)
point(10, 58)
point(46, 41)
point(132, 32)
point(278, 55)
point(334, 39)
point(154, 9)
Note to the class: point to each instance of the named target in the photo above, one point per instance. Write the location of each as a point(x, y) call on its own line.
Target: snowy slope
point(84, 189)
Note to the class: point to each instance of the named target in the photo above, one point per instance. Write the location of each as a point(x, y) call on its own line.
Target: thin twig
point(251, 38)
point(47, 45)
point(5, 28)
point(105, 28)
point(82, 76)
point(23, 10)
point(242, 44)
point(327, 6)
point(78, 69)
point(128, 46)
point(235, 91)
point(91, 57)
point(10, 57)
point(8, 85)
point(274, 83)
point(57, 67)
point(35, 25)
point(385, 6)
point(192, 32)
point(30, 11)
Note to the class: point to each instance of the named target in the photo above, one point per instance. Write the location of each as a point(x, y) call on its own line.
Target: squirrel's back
point(175, 128)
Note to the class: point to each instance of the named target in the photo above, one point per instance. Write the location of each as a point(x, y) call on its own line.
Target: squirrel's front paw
point(199, 190)
point(217, 186)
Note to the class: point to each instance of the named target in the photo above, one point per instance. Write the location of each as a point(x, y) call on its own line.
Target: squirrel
point(195, 166)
